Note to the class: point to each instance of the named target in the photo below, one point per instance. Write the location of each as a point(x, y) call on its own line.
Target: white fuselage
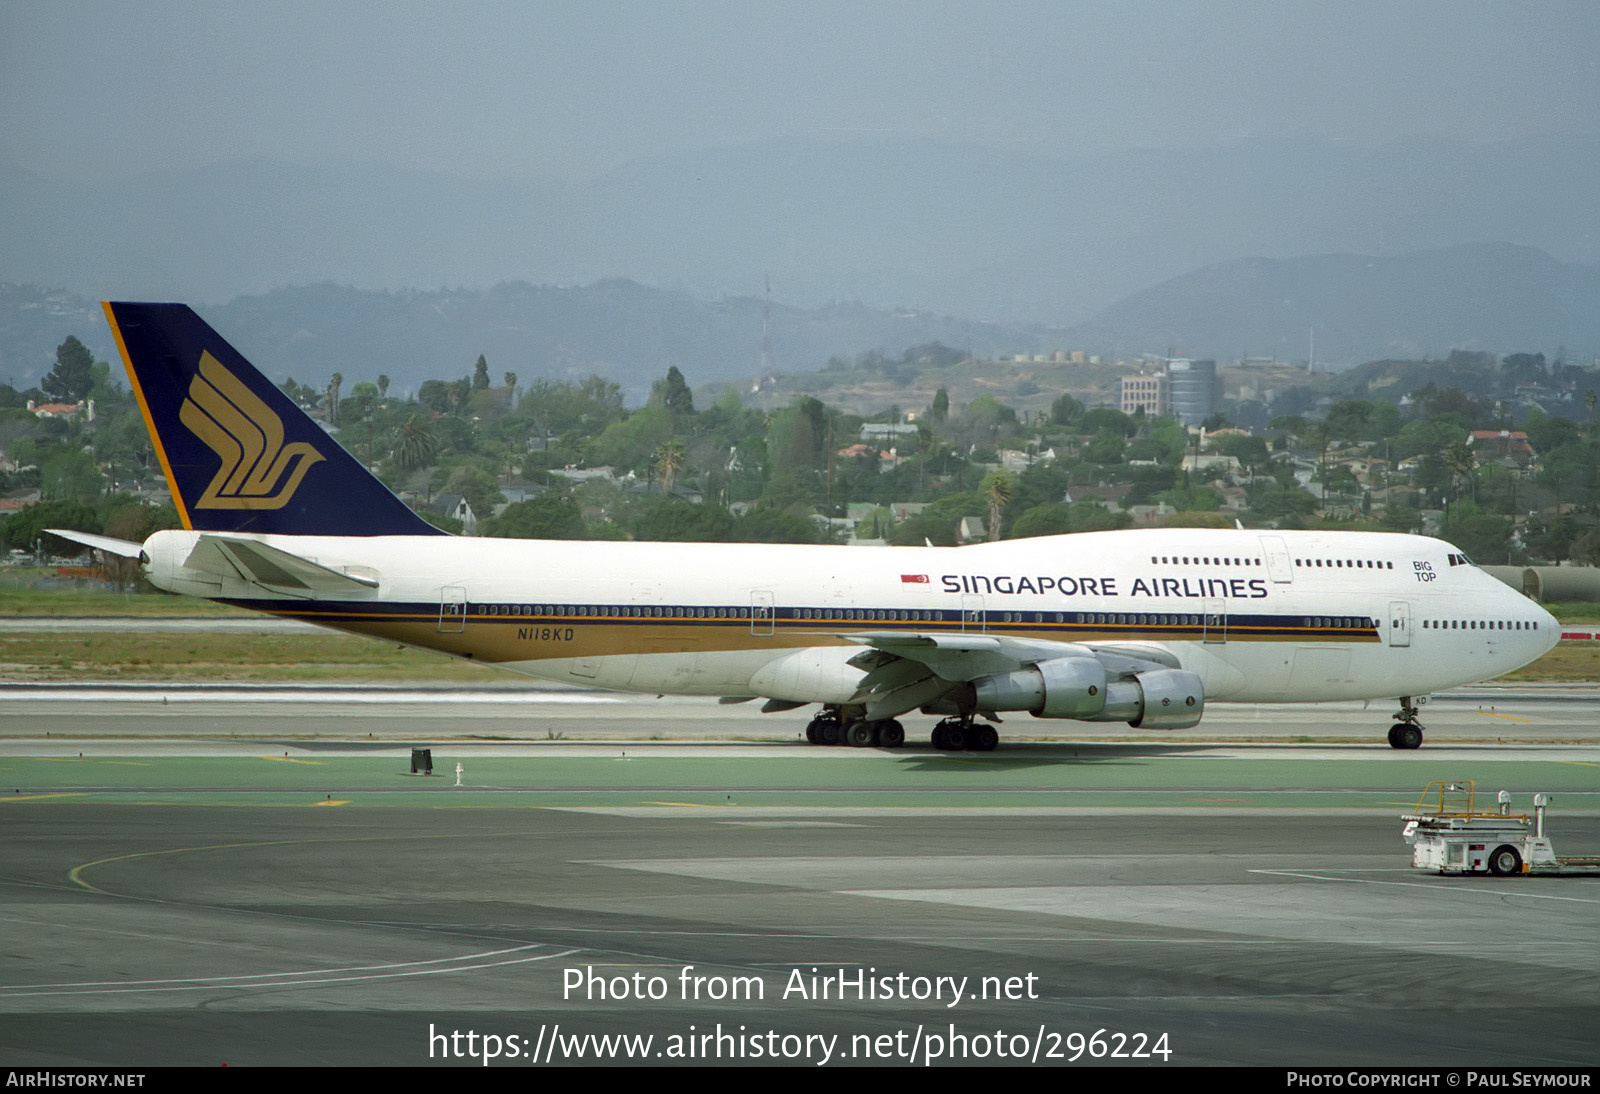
point(1259, 616)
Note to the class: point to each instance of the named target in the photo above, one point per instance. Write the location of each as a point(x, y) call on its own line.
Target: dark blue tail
point(238, 454)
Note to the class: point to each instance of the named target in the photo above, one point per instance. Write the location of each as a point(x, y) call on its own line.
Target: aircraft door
point(1399, 623)
point(972, 612)
point(1280, 567)
point(452, 609)
point(762, 615)
point(1216, 621)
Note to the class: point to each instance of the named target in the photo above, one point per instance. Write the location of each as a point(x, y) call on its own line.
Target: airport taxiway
point(249, 879)
point(1489, 713)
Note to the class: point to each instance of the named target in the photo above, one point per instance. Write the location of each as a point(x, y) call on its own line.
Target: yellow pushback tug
point(1448, 835)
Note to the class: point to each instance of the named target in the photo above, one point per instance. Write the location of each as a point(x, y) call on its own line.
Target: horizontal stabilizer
point(100, 543)
point(272, 569)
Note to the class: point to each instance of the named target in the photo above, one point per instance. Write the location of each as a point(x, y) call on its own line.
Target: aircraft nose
point(1549, 627)
point(1540, 630)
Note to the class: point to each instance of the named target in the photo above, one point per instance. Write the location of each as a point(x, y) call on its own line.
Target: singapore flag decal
point(913, 579)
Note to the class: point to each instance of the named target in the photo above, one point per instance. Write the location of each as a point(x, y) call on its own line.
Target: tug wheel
point(1504, 861)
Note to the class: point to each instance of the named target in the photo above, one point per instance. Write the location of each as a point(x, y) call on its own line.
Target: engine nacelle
point(1077, 687)
point(1158, 699)
point(1062, 687)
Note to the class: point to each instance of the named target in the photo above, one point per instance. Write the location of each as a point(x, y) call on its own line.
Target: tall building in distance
point(1149, 392)
point(1194, 389)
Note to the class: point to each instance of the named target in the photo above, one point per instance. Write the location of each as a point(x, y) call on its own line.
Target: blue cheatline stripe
point(1069, 626)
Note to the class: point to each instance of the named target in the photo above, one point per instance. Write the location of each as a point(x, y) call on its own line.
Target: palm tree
point(669, 460)
point(1460, 462)
point(997, 494)
point(416, 445)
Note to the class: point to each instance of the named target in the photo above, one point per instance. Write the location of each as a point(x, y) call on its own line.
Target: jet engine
point(1062, 687)
point(1078, 687)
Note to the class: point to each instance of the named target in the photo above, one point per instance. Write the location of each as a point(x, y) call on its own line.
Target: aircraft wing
point(272, 569)
point(964, 656)
point(906, 671)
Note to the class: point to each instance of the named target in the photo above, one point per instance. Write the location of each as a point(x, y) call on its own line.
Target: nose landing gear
point(1406, 731)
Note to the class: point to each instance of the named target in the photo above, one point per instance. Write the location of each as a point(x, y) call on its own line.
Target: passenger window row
point(1345, 563)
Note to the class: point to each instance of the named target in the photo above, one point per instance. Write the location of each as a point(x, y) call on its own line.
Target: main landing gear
point(833, 726)
point(1406, 731)
point(830, 728)
point(836, 726)
point(958, 734)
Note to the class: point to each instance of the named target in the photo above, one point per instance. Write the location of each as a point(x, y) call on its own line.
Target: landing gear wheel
point(1406, 731)
point(983, 739)
point(1405, 735)
point(891, 734)
point(1505, 861)
point(862, 734)
point(952, 735)
point(824, 729)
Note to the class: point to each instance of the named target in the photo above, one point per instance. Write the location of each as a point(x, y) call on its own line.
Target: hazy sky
point(574, 89)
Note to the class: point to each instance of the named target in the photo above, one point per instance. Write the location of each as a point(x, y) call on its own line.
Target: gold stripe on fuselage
point(498, 639)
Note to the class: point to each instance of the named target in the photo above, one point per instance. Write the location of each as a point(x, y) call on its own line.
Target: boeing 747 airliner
point(1142, 627)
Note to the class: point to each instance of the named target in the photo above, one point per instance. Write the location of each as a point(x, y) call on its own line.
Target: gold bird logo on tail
point(258, 470)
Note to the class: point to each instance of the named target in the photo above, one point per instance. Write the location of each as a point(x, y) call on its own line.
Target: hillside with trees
point(1507, 467)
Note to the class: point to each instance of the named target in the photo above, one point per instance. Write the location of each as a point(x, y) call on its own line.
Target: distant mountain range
point(1498, 298)
point(1346, 309)
point(619, 329)
point(964, 230)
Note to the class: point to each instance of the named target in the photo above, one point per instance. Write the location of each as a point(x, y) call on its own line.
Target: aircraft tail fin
point(239, 455)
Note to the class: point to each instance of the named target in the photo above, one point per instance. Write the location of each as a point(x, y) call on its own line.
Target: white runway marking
point(158, 695)
point(305, 978)
point(1497, 891)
